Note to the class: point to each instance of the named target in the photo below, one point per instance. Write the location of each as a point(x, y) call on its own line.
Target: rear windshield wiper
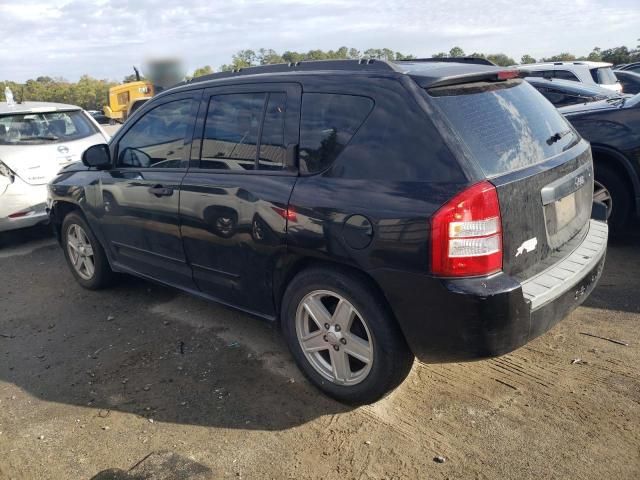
point(557, 137)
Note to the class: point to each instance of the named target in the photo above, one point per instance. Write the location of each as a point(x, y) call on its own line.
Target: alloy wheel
point(80, 252)
point(601, 194)
point(334, 337)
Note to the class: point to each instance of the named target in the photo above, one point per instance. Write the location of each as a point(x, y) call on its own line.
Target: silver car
point(37, 139)
point(590, 73)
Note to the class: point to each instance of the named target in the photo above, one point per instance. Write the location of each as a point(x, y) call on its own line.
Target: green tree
point(456, 52)
point(501, 59)
point(595, 55)
point(267, 56)
point(199, 72)
point(527, 59)
point(561, 57)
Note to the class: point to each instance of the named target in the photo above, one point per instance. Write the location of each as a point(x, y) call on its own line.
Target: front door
point(234, 198)
point(141, 194)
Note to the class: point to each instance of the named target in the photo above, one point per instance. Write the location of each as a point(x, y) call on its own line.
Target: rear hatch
point(542, 170)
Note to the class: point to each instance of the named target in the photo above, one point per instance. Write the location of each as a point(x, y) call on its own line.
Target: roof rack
point(472, 60)
point(364, 64)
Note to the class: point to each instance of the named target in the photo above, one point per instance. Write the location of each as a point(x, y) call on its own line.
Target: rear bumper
point(447, 320)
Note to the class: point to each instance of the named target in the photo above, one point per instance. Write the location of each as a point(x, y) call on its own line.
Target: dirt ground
point(91, 381)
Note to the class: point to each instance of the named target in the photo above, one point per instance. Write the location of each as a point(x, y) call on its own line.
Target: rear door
point(541, 168)
point(234, 198)
point(141, 194)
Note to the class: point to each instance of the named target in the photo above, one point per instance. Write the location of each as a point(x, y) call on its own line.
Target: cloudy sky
point(103, 38)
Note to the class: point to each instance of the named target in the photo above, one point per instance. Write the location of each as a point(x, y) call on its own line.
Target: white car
point(591, 73)
point(37, 139)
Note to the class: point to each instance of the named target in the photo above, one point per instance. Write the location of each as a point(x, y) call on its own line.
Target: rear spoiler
point(471, 60)
point(492, 75)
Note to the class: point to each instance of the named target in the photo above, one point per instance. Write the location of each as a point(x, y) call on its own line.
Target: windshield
point(506, 126)
point(42, 128)
point(604, 76)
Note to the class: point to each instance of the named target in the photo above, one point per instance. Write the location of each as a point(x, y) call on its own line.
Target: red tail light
point(466, 234)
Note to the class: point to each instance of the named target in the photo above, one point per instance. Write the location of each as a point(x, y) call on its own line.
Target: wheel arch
point(59, 210)
point(292, 266)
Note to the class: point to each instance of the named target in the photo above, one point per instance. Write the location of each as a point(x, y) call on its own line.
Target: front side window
point(157, 139)
point(328, 123)
point(244, 131)
point(43, 128)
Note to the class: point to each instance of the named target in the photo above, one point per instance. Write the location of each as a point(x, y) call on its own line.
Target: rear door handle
point(161, 191)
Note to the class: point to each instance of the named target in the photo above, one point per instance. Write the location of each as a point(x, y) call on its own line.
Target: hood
point(600, 105)
point(39, 164)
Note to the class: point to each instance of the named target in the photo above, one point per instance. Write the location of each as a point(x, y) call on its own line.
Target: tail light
point(466, 234)
point(7, 172)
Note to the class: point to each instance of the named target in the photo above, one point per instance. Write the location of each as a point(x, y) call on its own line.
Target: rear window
point(328, 123)
point(506, 126)
point(603, 76)
point(42, 128)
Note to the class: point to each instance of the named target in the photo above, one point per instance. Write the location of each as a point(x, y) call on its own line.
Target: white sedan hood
point(39, 164)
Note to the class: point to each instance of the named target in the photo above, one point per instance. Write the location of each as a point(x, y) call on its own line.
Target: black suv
point(375, 210)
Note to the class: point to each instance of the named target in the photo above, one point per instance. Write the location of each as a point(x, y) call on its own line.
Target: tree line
point(92, 94)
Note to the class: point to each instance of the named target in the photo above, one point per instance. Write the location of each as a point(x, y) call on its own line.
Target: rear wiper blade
point(557, 137)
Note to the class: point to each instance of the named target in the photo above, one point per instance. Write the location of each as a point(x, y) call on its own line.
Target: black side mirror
point(97, 156)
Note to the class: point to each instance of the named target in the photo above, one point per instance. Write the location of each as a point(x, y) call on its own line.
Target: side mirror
point(97, 156)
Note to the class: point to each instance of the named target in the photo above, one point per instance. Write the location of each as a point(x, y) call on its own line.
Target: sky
point(104, 38)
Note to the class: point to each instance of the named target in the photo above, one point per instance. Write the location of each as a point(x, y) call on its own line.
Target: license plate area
point(565, 210)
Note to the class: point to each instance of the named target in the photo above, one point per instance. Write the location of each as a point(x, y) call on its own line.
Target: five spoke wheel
point(80, 251)
point(334, 337)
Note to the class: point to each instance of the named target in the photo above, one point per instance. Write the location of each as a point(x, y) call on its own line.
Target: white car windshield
point(46, 127)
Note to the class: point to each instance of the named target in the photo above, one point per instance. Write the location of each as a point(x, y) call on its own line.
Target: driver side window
point(157, 139)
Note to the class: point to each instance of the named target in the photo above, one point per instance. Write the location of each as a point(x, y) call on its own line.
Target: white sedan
point(37, 139)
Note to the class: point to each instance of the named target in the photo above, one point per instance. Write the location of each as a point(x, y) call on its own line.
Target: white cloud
point(104, 38)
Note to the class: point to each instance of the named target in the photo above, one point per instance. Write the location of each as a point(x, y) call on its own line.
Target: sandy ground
point(91, 381)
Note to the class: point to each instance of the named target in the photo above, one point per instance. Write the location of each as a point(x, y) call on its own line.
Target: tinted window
point(157, 139)
point(603, 76)
point(43, 128)
point(231, 131)
point(327, 125)
point(565, 75)
point(272, 147)
point(504, 127)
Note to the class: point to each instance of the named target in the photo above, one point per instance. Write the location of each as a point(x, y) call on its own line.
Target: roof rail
point(364, 64)
point(473, 60)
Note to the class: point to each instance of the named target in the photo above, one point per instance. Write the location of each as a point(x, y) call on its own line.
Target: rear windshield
point(603, 76)
point(506, 126)
point(42, 128)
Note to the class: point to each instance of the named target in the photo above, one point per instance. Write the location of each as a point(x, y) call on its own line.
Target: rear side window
point(328, 123)
point(603, 76)
point(565, 75)
point(504, 127)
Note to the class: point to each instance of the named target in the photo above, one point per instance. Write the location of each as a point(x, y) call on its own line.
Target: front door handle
point(161, 191)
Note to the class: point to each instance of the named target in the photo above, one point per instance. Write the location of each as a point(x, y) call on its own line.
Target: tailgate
point(545, 211)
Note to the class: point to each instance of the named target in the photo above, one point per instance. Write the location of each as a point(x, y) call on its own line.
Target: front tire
point(343, 336)
point(85, 256)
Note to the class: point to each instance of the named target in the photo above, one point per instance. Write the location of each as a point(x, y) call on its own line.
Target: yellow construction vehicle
point(127, 98)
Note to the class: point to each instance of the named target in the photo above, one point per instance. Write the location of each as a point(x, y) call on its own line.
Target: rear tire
point(85, 256)
point(363, 355)
point(611, 189)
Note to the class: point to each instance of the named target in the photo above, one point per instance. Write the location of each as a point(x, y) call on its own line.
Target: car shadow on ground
point(145, 349)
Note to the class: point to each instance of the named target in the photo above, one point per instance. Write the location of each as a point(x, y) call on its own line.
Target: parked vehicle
point(628, 67)
point(100, 117)
point(590, 73)
point(629, 80)
point(376, 210)
point(613, 129)
point(36, 140)
point(562, 93)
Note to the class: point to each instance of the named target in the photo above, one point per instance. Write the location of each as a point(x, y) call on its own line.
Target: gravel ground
point(91, 381)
